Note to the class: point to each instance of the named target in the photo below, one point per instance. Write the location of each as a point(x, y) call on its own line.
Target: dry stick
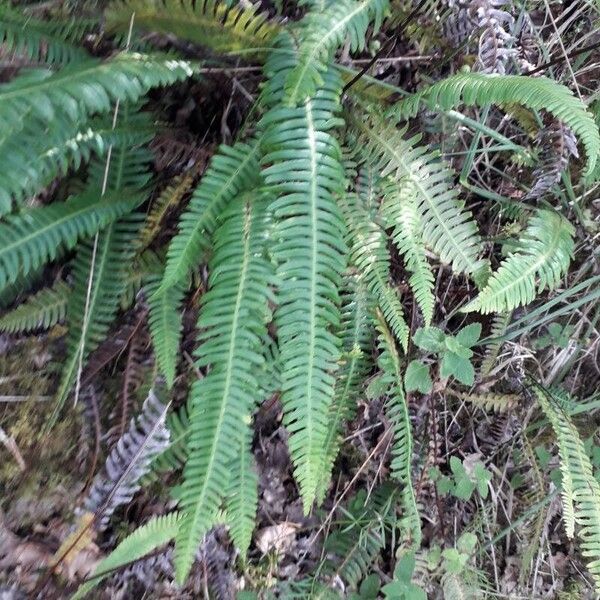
point(86, 310)
point(559, 59)
point(385, 46)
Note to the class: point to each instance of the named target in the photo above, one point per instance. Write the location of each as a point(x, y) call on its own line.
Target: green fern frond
point(222, 28)
point(35, 237)
point(242, 495)
point(370, 255)
point(401, 213)
point(100, 300)
point(397, 412)
point(492, 401)
point(232, 170)
point(47, 41)
point(165, 322)
point(580, 488)
point(157, 532)
point(143, 267)
point(232, 324)
point(303, 167)
point(40, 311)
point(446, 226)
point(356, 335)
point(537, 93)
point(321, 32)
point(492, 349)
point(86, 87)
point(541, 259)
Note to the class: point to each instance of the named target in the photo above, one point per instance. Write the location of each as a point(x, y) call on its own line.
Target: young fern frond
point(446, 226)
point(242, 494)
point(165, 322)
point(232, 170)
point(356, 335)
point(46, 41)
point(145, 539)
point(541, 259)
point(397, 412)
point(211, 23)
point(40, 311)
point(538, 93)
point(370, 255)
point(232, 325)
point(302, 165)
point(36, 236)
point(400, 211)
point(322, 32)
point(580, 488)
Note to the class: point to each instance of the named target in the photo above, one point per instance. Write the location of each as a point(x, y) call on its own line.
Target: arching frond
point(232, 324)
point(232, 170)
point(539, 93)
point(580, 488)
point(397, 412)
point(212, 23)
point(370, 255)
point(321, 33)
point(155, 533)
point(542, 257)
point(400, 211)
point(303, 166)
point(446, 226)
point(42, 310)
point(36, 236)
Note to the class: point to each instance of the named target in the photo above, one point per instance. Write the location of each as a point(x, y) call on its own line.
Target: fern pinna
point(312, 247)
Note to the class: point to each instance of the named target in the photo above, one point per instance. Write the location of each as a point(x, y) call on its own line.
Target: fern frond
point(242, 494)
point(499, 324)
point(397, 412)
point(370, 255)
point(212, 23)
point(580, 488)
point(155, 533)
point(165, 322)
point(321, 32)
point(48, 41)
point(356, 334)
point(78, 90)
point(538, 93)
point(129, 461)
point(232, 170)
point(446, 226)
point(401, 213)
point(114, 252)
point(42, 310)
point(303, 167)
point(492, 401)
point(35, 237)
point(542, 257)
point(232, 324)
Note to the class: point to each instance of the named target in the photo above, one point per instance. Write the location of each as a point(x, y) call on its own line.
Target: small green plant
point(465, 479)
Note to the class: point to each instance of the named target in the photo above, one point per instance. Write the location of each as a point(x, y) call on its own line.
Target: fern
point(541, 258)
point(356, 335)
point(302, 166)
point(165, 321)
point(44, 309)
point(129, 460)
point(36, 237)
point(48, 41)
point(397, 413)
point(157, 532)
point(232, 324)
point(499, 324)
point(580, 489)
point(537, 93)
point(446, 227)
point(231, 171)
point(322, 31)
point(370, 255)
point(224, 29)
